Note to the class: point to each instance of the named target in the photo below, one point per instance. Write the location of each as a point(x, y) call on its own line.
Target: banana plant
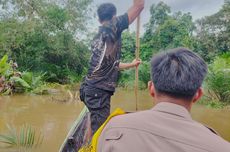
point(28, 82)
point(4, 66)
point(5, 71)
point(13, 81)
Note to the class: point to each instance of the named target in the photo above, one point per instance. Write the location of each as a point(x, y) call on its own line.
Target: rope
point(137, 52)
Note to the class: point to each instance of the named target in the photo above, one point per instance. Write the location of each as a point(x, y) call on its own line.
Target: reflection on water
point(54, 119)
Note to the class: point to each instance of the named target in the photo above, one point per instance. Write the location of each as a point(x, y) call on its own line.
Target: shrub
point(218, 79)
point(14, 81)
point(127, 77)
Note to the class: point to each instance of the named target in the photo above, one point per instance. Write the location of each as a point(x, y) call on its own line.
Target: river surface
point(53, 115)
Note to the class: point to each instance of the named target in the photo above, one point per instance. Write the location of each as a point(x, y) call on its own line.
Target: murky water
point(53, 116)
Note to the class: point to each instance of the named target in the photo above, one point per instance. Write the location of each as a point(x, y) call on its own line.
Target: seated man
point(177, 76)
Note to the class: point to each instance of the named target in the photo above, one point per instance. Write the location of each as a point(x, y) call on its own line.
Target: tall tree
point(159, 14)
point(74, 12)
point(166, 30)
point(213, 33)
point(43, 35)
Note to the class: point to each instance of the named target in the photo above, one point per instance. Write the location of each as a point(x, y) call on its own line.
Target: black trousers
point(98, 103)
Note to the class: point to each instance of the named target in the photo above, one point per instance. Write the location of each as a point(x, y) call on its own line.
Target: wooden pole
point(137, 52)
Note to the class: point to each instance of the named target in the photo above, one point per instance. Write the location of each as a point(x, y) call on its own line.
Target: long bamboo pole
point(137, 52)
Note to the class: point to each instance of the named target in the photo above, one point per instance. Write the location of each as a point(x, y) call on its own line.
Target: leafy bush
point(127, 77)
point(29, 82)
point(144, 73)
point(6, 72)
point(218, 79)
point(13, 81)
point(46, 36)
point(211, 103)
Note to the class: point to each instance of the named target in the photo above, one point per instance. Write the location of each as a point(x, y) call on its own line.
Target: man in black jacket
point(100, 82)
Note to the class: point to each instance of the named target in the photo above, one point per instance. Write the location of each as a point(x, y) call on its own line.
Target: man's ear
point(151, 88)
point(198, 95)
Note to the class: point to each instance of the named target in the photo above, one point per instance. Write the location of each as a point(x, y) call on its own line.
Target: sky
point(198, 8)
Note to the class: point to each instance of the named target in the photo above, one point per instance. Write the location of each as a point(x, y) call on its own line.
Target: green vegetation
point(209, 37)
point(43, 36)
point(163, 31)
point(210, 103)
point(13, 81)
point(218, 80)
point(26, 137)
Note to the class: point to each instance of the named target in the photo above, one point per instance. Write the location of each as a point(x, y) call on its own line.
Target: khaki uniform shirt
point(165, 128)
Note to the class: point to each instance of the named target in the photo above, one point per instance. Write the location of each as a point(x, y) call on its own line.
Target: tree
point(209, 36)
point(166, 30)
point(42, 36)
point(159, 14)
point(128, 47)
point(213, 33)
point(218, 79)
point(72, 13)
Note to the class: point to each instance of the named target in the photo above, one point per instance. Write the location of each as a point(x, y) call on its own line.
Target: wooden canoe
point(77, 134)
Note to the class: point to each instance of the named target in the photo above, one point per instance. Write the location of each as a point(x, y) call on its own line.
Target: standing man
point(177, 76)
point(100, 82)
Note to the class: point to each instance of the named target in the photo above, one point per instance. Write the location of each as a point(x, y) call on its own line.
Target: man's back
point(106, 52)
point(165, 128)
point(101, 79)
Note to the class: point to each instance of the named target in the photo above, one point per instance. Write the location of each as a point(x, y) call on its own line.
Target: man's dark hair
point(178, 73)
point(106, 11)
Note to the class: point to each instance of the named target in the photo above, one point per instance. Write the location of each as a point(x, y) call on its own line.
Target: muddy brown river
point(53, 115)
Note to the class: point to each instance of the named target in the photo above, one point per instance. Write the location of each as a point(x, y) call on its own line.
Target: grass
point(26, 137)
point(212, 103)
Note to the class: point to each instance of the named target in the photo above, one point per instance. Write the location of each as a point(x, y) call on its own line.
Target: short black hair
point(178, 73)
point(106, 11)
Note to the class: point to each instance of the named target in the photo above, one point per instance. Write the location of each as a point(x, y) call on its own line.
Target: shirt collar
point(172, 108)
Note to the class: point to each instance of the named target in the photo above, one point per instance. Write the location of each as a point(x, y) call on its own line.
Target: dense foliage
point(213, 33)
point(209, 37)
point(163, 31)
point(218, 80)
point(43, 36)
point(14, 81)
